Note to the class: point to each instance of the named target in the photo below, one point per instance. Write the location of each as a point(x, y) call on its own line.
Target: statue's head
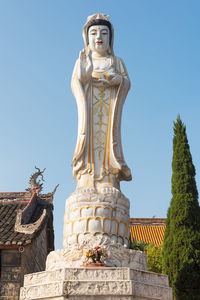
point(98, 33)
point(99, 38)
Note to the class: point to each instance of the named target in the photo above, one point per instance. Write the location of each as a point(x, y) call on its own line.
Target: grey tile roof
point(21, 204)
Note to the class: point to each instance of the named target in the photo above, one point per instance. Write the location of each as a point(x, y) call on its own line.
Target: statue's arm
point(123, 72)
point(119, 75)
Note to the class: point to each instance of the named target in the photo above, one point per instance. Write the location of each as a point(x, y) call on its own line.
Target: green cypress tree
point(181, 247)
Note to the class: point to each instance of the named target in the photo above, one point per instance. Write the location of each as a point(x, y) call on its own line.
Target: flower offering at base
point(95, 256)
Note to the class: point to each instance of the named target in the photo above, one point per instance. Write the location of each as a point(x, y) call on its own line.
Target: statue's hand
point(112, 79)
point(85, 66)
point(116, 79)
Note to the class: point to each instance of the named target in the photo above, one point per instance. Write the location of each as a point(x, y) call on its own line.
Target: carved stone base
point(89, 212)
point(96, 284)
point(116, 255)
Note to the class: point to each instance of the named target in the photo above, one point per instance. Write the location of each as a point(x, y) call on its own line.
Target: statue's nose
point(98, 34)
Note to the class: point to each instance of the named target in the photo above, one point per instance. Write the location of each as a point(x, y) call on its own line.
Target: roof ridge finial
point(36, 186)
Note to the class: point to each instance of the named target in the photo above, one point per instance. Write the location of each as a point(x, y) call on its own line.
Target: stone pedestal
point(89, 212)
point(116, 255)
point(96, 284)
point(96, 218)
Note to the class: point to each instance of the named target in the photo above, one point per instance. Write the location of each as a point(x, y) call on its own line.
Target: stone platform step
point(96, 283)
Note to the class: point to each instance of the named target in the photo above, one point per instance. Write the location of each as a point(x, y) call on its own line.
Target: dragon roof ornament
point(35, 184)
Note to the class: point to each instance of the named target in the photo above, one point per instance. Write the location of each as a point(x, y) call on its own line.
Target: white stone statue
point(97, 213)
point(100, 85)
point(97, 210)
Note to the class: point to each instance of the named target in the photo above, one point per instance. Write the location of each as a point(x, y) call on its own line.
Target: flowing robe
point(98, 157)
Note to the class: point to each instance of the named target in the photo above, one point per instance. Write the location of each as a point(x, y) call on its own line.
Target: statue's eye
point(93, 32)
point(104, 32)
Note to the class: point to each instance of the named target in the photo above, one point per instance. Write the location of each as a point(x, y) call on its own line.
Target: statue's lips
point(99, 43)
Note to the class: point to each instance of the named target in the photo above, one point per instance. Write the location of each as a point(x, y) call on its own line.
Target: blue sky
point(40, 41)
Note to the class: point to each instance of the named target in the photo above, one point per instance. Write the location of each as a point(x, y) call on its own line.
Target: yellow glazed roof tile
point(146, 232)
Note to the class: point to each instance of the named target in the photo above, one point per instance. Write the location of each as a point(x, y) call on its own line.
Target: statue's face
point(98, 36)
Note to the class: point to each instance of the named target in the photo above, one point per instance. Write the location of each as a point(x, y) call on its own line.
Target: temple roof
point(22, 217)
point(148, 230)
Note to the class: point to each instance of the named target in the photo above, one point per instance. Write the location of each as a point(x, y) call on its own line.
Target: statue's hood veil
point(96, 17)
